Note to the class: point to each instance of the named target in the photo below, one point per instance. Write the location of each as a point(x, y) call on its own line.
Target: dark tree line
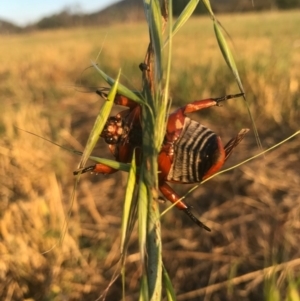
point(287, 4)
point(132, 10)
point(238, 5)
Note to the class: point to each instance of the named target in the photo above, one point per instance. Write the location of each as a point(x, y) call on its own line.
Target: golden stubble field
point(252, 252)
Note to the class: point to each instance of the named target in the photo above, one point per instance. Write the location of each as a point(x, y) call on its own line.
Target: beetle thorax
point(115, 130)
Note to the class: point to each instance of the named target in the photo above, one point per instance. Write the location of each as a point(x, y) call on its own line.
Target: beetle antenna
point(195, 220)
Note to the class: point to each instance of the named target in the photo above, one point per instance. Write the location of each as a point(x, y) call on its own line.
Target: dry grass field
point(253, 250)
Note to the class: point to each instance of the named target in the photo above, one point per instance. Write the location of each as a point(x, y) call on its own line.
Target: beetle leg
point(124, 101)
point(234, 142)
point(119, 99)
point(206, 103)
point(173, 197)
point(195, 220)
point(97, 168)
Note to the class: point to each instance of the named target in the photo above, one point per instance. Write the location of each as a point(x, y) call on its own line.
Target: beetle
point(190, 153)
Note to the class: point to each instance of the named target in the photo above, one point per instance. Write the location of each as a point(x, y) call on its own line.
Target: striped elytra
point(195, 152)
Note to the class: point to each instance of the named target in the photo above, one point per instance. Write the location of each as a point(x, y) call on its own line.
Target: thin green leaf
point(166, 103)
point(183, 17)
point(128, 217)
point(99, 123)
point(293, 291)
point(272, 292)
point(154, 249)
point(208, 7)
point(128, 203)
point(112, 163)
point(121, 89)
point(149, 224)
point(144, 296)
point(171, 295)
point(155, 26)
point(142, 217)
point(231, 63)
point(226, 52)
point(147, 9)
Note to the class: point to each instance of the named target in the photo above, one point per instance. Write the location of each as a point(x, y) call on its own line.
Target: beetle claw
point(161, 200)
point(195, 220)
point(103, 92)
point(219, 99)
point(84, 170)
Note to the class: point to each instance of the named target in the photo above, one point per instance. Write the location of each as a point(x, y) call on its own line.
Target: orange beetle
point(190, 152)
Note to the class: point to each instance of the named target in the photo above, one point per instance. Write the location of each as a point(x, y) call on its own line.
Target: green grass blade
point(154, 249)
point(99, 123)
point(253, 126)
point(144, 296)
point(142, 218)
point(167, 101)
point(208, 7)
point(293, 291)
point(183, 17)
point(271, 290)
point(147, 9)
point(171, 295)
point(129, 195)
point(112, 163)
point(120, 89)
point(226, 52)
point(155, 25)
point(152, 118)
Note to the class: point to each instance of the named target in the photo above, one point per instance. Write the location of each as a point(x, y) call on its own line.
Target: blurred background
point(47, 87)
